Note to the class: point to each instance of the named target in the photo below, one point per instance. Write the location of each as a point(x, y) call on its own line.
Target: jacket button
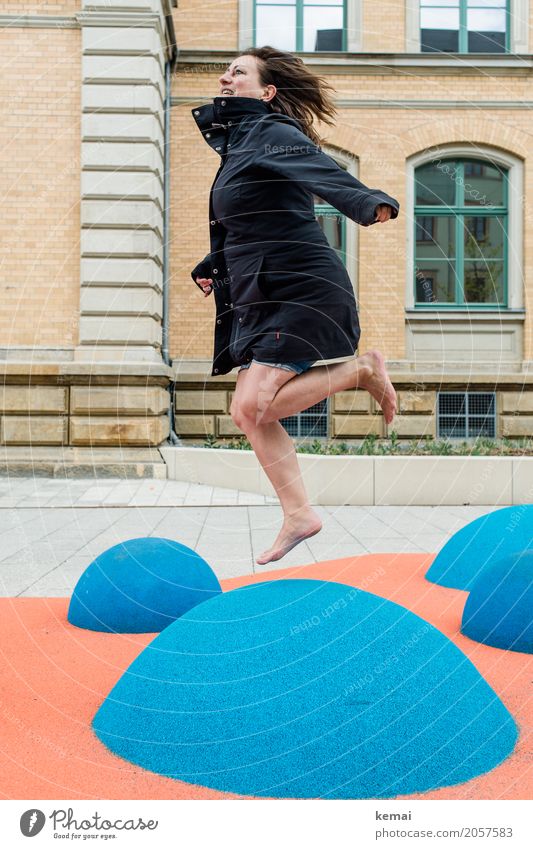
point(219, 321)
point(240, 319)
point(215, 370)
point(208, 135)
point(212, 223)
point(215, 270)
point(230, 123)
point(229, 145)
point(218, 148)
point(196, 112)
point(222, 102)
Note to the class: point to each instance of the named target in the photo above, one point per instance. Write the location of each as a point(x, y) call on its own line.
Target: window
point(460, 234)
point(301, 25)
point(333, 223)
point(463, 415)
point(464, 26)
point(312, 422)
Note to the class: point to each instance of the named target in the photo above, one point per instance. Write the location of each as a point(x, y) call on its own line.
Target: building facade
point(106, 340)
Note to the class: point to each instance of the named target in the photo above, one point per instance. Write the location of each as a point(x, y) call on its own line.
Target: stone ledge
point(66, 462)
point(11, 371)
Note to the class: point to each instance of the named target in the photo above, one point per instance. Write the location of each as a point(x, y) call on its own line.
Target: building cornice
point(384, 103)
point(384, 63)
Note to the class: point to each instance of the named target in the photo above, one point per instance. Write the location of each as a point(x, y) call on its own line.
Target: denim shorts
point(298, 367)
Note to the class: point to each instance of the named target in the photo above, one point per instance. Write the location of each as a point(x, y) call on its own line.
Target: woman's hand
point(206, 283)
point(383, 212)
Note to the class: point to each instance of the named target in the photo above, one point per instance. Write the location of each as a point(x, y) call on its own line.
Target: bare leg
point(366, 372)
point(275, 450)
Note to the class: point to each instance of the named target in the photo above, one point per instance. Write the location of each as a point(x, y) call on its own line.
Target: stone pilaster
point(124, 48)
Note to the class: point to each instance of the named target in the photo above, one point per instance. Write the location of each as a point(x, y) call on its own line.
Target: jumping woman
point(284, 299)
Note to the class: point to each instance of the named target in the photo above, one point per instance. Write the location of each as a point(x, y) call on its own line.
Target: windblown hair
point(300, 93)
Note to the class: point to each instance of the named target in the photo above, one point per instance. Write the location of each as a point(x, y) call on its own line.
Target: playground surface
point(55, 676)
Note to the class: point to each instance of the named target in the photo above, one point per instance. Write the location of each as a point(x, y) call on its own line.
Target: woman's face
point(241, 79)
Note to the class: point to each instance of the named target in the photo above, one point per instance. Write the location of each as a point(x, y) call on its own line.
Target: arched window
point(461, 234)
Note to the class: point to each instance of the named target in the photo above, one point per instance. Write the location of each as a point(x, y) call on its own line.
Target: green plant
point(372, 445)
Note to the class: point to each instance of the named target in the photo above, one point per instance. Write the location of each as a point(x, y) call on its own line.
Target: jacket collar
point(216, 118)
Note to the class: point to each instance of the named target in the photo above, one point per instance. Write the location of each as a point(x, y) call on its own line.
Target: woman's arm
point(288, 152)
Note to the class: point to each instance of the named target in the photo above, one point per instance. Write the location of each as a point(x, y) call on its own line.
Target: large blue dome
point(306, 689)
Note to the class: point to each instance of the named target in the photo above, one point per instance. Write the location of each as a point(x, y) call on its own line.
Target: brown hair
point(300, 93)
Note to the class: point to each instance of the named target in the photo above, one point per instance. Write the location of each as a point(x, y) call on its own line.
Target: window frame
point(467, 414)
point(463, 32)
point(303, 414)
point(518, 30)
point(515, 226)
point(346, 46)
point(459, 212)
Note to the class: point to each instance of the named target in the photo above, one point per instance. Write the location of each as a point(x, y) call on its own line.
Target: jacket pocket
point(252, 323)
point(247, 275)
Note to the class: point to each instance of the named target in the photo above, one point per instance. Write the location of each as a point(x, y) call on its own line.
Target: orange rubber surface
point(54, 677)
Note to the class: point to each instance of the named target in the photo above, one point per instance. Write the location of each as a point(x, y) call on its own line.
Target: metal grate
point(464, 415)
point(311, 422)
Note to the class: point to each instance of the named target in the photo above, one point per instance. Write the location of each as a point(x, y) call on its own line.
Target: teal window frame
point(463, 30)
point(459, 211)
point(327, 209)
point(299, 24)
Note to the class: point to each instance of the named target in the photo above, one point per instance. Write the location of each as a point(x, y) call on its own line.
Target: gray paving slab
point(50, 529)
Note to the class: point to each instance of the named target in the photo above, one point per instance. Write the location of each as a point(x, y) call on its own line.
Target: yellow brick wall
point(383, 26)
point(40, 186)
point(207, 24)
point(41, 7)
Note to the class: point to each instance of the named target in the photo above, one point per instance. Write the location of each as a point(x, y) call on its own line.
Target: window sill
point(425, 314)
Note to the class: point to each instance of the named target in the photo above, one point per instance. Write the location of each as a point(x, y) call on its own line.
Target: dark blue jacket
point(281, 291)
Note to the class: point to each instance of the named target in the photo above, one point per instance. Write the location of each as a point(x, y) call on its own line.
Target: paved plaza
point(51, 529)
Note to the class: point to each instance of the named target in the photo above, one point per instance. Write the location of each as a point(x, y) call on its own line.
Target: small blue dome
point(487, 539)
point(306, 689)
point(141, 586)
point(499, 609)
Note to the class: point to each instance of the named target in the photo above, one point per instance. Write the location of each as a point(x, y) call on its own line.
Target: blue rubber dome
point(141, 586)
point(499, 609)
point(306, 689)
point(482, 542)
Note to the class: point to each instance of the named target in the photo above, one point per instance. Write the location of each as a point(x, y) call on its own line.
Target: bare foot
point(379, 384)
point(295, 528)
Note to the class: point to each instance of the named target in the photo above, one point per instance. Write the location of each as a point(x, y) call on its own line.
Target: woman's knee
point(243, 412)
